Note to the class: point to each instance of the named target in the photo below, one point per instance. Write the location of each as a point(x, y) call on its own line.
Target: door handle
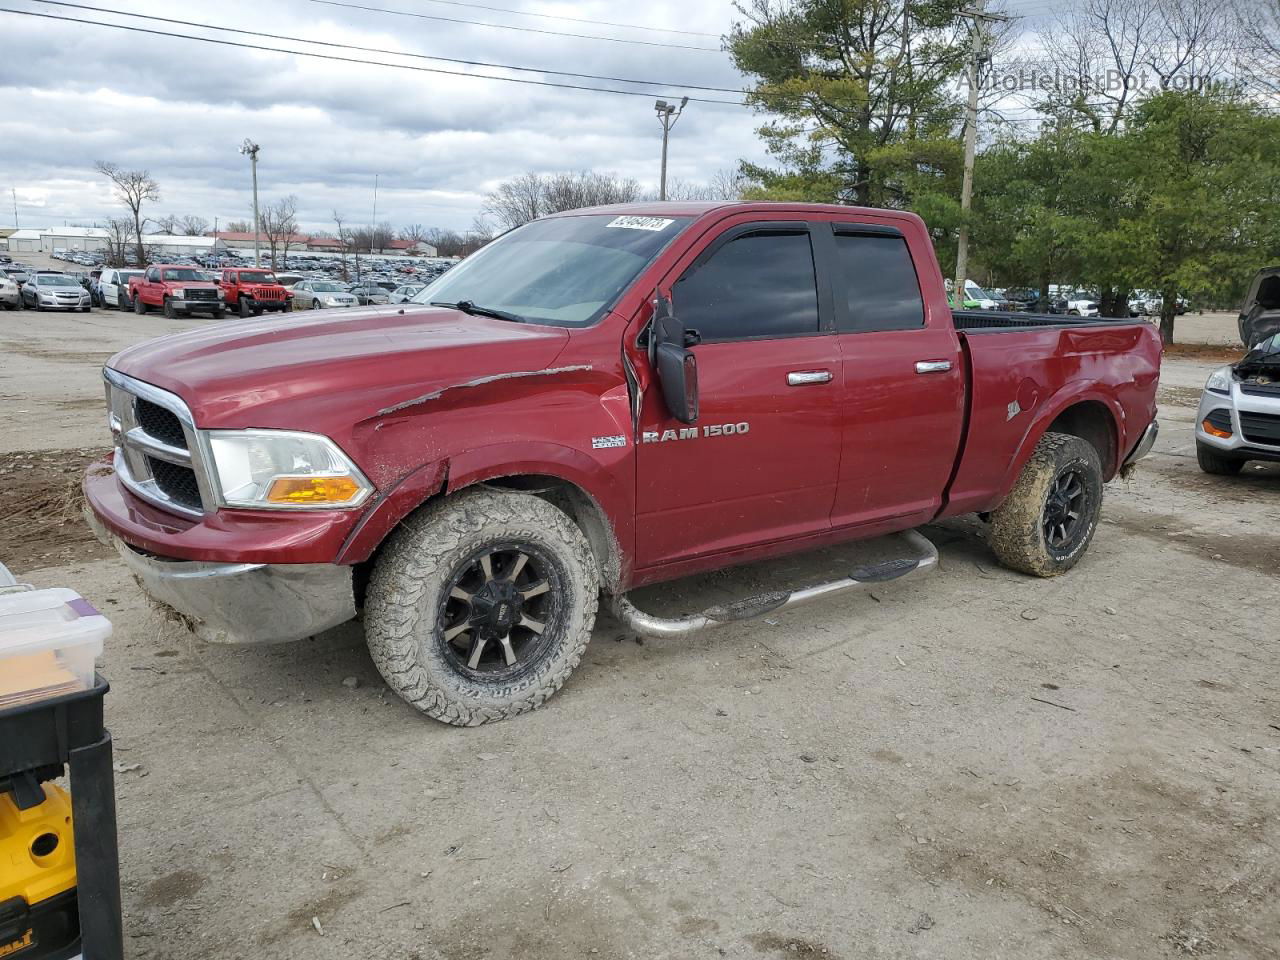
point(799, 378)
point(933, 366)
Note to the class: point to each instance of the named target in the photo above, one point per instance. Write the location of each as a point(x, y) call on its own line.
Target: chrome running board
point(862, 578)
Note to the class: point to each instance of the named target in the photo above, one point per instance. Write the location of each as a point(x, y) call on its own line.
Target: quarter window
point(757, 286)
point(881, 289)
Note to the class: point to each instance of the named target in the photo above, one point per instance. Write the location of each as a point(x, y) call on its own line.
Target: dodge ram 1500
point(595, 401)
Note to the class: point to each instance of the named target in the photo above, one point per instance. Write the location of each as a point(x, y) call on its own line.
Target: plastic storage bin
point(48, 642)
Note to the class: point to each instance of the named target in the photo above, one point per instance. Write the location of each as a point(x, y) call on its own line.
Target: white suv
point(1239, 415)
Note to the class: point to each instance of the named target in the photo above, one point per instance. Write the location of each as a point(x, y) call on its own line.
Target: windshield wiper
point(472, 309)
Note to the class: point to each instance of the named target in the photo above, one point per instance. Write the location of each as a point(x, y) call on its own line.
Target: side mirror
point(677, 368)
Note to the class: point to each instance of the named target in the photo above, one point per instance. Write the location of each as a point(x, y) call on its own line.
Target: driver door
point(760, 464)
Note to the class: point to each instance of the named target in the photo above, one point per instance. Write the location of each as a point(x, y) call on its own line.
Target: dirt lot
point(976, 765)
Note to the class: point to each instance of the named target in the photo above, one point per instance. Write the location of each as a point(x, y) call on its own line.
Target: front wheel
point(169, 312)
point(242, 306)
point(138, 306)
point(481, 606)
point(1219, 464)
point(1045, 525)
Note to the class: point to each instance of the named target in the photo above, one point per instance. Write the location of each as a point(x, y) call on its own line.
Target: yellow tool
point(37, 875)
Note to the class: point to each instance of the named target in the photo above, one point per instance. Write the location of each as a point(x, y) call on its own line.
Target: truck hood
point(325, 371)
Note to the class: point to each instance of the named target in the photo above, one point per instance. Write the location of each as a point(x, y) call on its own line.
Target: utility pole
point(250, 150)
point(15, 207)
point(978, 54)
point(373, 226)
point(668, 114)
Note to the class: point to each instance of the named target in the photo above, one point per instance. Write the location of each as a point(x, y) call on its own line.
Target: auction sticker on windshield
point(640, 223)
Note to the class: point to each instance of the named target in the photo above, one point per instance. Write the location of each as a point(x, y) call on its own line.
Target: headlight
point(1220, 381)
point(331, 301)
point(178, 294)
point(271, 469)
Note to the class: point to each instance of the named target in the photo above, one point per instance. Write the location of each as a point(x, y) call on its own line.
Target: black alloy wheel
point(501, 611)
point(1065, 510)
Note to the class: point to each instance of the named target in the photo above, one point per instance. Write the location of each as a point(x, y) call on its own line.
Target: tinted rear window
point(881, 289)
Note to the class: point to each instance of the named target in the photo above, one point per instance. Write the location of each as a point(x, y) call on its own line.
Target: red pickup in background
point(176, 289)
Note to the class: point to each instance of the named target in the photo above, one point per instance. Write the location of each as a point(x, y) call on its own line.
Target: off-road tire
point(409, 583)
point(1219, 464)
point(1017, 535)
point(242, 307)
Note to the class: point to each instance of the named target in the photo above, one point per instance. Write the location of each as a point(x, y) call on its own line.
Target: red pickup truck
point(251, 292)
point(599, 400)
point(175, 289)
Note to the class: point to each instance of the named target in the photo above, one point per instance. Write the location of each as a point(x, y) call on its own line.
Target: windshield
point(325, 286)
point(257, 276)
point(1268, 349)
point(565, 271)
point(56, 281)
point(183, 273)
point(975, 292)
point(126, 274)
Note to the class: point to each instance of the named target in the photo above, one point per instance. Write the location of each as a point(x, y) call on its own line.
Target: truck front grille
point(1260, 427)
point(178, 483)
point(160, 423)
point(200, 293)
point(267, 293)
point(157, 456)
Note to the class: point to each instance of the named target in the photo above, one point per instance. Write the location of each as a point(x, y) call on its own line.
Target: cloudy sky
point(76, 93)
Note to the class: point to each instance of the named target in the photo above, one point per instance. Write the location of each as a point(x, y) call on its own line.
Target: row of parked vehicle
point(185, 289)
point(1074, 303)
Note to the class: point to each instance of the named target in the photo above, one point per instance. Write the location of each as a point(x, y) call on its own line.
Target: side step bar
point(862, 578)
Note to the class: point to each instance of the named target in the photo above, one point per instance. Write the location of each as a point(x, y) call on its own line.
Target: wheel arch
point(1086, 412)
point(585, 497)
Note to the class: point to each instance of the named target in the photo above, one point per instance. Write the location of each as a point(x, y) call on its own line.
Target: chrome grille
point(158, 456)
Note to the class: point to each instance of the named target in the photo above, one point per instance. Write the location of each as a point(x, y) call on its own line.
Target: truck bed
point(996, 321)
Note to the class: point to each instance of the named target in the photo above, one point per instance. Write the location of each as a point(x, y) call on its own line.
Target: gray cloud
point(180, 108)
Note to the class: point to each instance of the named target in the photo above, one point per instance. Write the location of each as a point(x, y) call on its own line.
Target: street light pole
point(668, 114)
point(250, 150)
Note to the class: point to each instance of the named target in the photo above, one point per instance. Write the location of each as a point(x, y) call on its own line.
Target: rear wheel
point(1213, 461)
point(1046, 524)
point(481, 606)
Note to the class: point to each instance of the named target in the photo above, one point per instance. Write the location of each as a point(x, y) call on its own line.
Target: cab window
point(758, 286)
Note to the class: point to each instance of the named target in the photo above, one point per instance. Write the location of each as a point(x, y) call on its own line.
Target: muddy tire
point(481, 605)
point(1219, 464)
point(1046, 524)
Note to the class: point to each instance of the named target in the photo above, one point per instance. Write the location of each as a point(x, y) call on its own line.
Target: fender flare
point(1072, 393)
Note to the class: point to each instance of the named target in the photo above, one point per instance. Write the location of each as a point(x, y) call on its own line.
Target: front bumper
point(196, 306)
point(1235, 403)
point(1144, 444)
point(242, 602)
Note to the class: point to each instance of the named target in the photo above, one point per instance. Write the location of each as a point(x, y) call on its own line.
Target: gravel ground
point(976, 765)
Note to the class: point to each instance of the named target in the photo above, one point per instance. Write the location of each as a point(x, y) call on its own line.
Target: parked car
point(250, 291)
point(175, 289)
point(10, 292)
point(368, 292)
point(404, 294)
point(54, 291)
point(1082, 308)
point(113, 287)
point(662, 390)
point(318, 294)
point(1239, 415)
point(1260, 313)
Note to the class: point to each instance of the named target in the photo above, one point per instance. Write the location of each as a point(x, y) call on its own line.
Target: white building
point(165, 245)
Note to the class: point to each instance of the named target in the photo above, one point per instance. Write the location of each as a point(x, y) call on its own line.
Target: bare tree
point(192, 226)
point(133, 188)
point(169, 223)
point(279, 224)
point(1110, 53)
point(531, 195)
point(119, 240)
point(238, 226)
point(724, 185)
point(344, 241)
point(373, 239)
point(415, 234)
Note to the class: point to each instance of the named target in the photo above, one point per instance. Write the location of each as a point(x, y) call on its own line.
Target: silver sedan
point(55, 291)
point(318, 294)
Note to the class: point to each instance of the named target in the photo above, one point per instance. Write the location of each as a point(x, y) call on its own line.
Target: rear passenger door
point(760, 463)
point(903, 392)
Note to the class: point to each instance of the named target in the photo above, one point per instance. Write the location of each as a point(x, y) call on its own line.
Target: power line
point(560, 16)
point(340, 59)
point(383, 50)
point(509, 26)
